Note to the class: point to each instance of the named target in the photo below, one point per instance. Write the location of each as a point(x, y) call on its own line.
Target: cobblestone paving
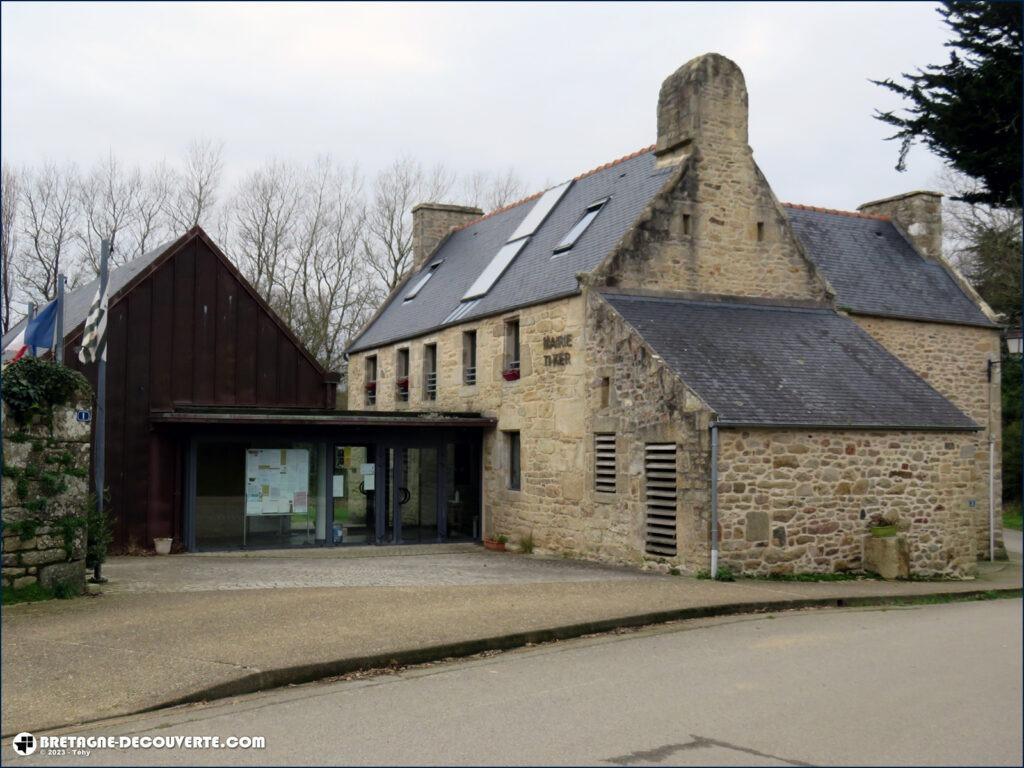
point(468, 565)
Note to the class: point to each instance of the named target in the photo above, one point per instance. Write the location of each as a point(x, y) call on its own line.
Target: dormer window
point(421, 280)
point(580, 226)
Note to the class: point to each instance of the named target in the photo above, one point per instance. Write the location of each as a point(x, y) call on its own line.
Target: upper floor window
point(430, 372)
point(371, 380)
point(469, 357)
point(514, 460)
point(402, 375)
point(511, 366)
point(580, 226)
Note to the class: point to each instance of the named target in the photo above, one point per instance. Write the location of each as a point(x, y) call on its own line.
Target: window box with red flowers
point(511, 372)
point(402, 386)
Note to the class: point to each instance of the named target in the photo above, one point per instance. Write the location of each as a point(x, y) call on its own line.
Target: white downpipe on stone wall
point(992, 368)
point(714, 501)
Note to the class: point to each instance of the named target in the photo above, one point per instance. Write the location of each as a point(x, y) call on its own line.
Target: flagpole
point(28, 319)
point(58, 333)
point(99, 449)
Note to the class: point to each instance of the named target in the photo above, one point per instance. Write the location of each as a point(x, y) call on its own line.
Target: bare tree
point(491, 191)
point(50, 217)
point(9, 192)
point(194, 196)
point(149, 225)
point(109, 198)
point(388, 239)
point(263, 214)
point(334, 291)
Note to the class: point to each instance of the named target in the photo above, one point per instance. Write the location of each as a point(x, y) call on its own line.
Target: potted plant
point(162, 544)
point(371, 386)
point(883, 525)
point(510, 374)
point(496, 543)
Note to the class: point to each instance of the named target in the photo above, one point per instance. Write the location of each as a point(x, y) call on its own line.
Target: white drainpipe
point(714, 501)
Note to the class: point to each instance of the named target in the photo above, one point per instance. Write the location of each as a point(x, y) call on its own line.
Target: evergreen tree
point(968, 111)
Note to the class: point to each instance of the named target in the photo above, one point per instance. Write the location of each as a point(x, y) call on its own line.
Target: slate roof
point(536, 274)
point(78, 301)
point(765, 365)
point(876, 271)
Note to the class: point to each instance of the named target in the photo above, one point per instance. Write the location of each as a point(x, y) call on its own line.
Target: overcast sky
point(547, 89)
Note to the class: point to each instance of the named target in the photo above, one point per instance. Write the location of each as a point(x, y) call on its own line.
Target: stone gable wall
point(645, 403)
point(40, 545)
point(800, 501)
point(954, 360)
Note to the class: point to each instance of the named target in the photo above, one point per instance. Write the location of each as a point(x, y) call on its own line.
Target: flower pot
point(163, 545)
point(497, 546)
point(510, 375)
point(883, 531)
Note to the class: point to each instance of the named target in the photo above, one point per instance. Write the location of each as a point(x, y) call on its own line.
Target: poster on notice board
point(277, 481)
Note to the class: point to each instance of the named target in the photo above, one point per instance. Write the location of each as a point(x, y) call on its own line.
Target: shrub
point(34, 386)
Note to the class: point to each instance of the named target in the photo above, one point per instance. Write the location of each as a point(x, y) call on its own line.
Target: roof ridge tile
point(837, 212)
point(535, 195)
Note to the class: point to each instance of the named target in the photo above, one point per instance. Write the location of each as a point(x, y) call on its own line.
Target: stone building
point(678, 363)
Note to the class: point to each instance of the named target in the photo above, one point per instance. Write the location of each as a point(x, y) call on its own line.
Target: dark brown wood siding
point(188, 333)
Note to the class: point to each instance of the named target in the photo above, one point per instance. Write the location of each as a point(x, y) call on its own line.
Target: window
point(402, 375)
point(371, 380)
point(430, 372)
point(463, 309)
point(494, 270)
point(469, 357)
point(511, 369)
point(580, 226)
point(421, 280)
point(686, 223)
point(606, 391)
point(604, 463)
point(760, 231)
point(660, 494)
point(512, 446)
point(540, 211)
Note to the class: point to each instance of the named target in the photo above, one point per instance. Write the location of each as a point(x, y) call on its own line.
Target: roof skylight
point(540, 211)
point(422, 280)
point(495, 269)
point(580, 226)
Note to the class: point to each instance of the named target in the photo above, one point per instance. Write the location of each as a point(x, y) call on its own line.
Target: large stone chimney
point(431, 223)
point(918, 213)
point(705, 98)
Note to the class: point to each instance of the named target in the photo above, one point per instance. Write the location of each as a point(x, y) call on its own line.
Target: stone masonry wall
point(43, 508)
point(644, 403)
point(545, 405)
point(954, 360)
point(800, 501)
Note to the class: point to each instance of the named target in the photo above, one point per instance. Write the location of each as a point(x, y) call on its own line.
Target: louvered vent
point(604, 463)
point(660, 491)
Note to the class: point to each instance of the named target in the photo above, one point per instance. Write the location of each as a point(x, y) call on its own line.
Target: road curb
point(308, 673)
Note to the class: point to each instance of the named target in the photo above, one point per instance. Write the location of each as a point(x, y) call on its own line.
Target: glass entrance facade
point(274, 493)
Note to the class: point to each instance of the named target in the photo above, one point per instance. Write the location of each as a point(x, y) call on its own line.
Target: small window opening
point(580, 226)
point(430, 372)
point(606, 388)
point(760, 231)
point(511, 367)
point(469, 357)
point(686, 224)
point(402, 375)
point(604, 463)
point(514, 460)
point(371, 380)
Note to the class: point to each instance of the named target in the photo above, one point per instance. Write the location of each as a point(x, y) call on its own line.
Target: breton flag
point(94, 346)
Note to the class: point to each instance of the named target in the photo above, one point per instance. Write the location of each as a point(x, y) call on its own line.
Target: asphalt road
point(926, 685)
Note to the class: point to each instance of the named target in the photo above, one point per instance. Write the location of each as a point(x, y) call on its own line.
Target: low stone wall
point(800, 501)
point(45, 497)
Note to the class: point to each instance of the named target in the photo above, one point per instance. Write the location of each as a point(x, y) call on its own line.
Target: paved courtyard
point(411, 566)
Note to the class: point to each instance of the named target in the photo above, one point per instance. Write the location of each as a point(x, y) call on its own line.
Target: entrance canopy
point(301, 477)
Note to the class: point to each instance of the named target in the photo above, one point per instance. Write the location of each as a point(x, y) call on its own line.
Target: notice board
point(277, 481)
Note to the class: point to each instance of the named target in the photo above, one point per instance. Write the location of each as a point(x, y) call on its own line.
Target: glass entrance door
point(418, 495)
point(353, 494)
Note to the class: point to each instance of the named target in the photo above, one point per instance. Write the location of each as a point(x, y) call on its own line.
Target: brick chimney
point(431, 223)
point(918, 213)
point(704, 98)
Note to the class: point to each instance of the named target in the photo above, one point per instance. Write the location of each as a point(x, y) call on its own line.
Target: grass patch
point(724, 574)
point(1011, 515)
point(526, 544)
point(33, 593)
